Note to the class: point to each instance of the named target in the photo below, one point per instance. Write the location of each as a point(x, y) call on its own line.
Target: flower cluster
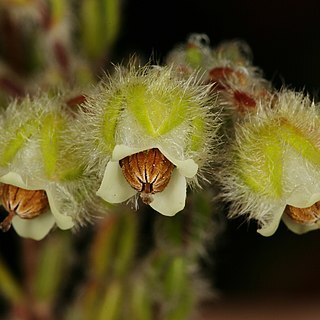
point(143, 131)
point(269, 164)
point(149, 132)
point(228, 66)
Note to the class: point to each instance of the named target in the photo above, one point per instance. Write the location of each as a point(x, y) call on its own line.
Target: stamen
point(148, 172)
point(307, 215)
point(27, 204)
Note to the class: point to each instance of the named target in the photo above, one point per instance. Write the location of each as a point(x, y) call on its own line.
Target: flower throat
point(148, 172)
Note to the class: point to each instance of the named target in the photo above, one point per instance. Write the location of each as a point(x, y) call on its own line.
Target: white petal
point(36, 228)
point(114, 187)
point(14, 179)
point(188, 168)
point(298, 228)
point(121, 151)
point(63, 221)
point(272, 226)
point(173, 198)
point(303, 198)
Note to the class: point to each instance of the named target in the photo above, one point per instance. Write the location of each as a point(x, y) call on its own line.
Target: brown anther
point(27, 204)
point(307, 215)
point(148, 172)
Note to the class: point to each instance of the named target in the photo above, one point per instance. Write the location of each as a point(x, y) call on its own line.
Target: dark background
point(283, 35)
point(285, 40)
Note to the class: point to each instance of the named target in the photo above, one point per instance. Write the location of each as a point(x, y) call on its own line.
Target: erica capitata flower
point(42, 183)
point(151, 133)
point(274, 172)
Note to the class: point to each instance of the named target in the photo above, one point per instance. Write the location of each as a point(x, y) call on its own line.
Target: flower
point(274, 171)
point(34, 156)
point(149, 108)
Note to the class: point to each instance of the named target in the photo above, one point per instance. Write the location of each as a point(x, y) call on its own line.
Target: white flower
point(36, 154)
point(115, 188)
point(143, 109)
point(38, 227)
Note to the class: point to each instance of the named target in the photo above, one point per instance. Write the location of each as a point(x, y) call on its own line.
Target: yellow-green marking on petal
point(263, 173)
point(174, 112)
point(110, 120)
point(15, 144)
point(157, 112)
point(136, 100)
point(299, 142)
point(50, 134)
point(71, 174)
point(197, 138)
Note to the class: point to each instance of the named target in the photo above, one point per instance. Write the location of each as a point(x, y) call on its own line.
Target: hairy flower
point(138, 111)
point(33, 156)
point(274, 171)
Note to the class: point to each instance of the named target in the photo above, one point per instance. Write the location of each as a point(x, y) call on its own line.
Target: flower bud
point(228, 66)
